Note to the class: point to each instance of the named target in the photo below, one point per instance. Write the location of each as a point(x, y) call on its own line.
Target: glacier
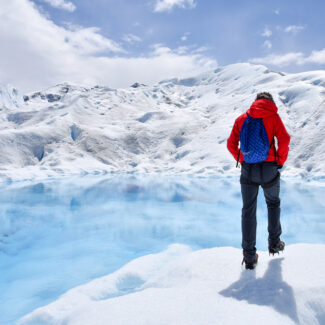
point(182, 287)
point(122, 206)
point(175, 126)
point(61, 233)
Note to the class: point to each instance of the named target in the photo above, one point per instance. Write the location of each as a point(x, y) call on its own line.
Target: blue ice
point(57, 234)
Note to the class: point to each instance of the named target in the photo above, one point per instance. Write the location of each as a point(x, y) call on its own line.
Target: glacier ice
point(60, 233)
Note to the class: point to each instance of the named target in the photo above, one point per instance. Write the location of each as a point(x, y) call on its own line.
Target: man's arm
point(233, 141)
point(283, 138)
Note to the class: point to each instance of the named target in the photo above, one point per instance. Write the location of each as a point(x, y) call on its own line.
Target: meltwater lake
point(60, 233)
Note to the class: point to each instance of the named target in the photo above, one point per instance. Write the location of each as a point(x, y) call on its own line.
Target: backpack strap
point(238, 158)
point(239, 148)
point(273, 143)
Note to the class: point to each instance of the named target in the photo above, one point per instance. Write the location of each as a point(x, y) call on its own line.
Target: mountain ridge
point(179, 125)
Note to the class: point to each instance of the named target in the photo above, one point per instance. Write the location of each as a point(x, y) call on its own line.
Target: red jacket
point(265, 109)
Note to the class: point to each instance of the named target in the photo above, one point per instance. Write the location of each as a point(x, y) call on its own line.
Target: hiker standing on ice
point(260, 161)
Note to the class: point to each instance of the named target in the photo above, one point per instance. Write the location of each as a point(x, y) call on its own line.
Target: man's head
point(265, 95)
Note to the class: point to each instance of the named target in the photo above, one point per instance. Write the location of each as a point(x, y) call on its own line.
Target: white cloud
point(168, 5)
point(201, 49)
point(38, 54)
point(267, 32)
point(294, 29)
point(293, 58)
point(267, 44)
point(182, 50)
point(89, 40)
point(61, 4)
point(161, 63)
point(316, 57)
point(130, 38)
point(184, 37)
point(280, 60)
point(277, 12)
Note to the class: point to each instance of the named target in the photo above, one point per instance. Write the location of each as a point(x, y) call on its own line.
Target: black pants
point(252, 176)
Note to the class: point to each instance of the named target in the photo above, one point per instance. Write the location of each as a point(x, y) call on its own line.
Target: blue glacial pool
point(57, 234)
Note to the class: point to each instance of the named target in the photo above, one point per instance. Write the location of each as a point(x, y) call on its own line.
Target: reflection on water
point(57, 234)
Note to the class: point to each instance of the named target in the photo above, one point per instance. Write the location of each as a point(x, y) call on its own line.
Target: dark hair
point(265, 95)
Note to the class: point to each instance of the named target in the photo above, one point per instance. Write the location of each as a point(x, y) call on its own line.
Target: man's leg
point(249, 195)
point(272, 199)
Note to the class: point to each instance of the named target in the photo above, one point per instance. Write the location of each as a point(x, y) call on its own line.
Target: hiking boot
point(279, 247)
point(250, 265)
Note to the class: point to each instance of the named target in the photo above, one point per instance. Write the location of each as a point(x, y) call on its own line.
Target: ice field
point(177, 126)
point(61, 233)
point(99, 208)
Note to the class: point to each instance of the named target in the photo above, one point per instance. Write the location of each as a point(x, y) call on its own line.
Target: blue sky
point(163, 38)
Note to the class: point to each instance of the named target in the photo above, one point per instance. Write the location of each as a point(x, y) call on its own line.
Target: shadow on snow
point(270, 290)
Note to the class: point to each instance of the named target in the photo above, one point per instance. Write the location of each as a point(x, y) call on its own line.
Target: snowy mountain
point(175, 126)
point(10, 97)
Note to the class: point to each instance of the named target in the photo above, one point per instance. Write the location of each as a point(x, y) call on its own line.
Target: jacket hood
point(262, 108)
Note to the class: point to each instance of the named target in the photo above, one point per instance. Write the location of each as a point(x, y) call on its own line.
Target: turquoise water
point(57, 234)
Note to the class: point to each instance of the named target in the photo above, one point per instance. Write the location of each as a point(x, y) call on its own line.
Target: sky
point(118, 42)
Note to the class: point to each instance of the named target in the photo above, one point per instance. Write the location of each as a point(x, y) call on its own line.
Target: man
point(262, 116)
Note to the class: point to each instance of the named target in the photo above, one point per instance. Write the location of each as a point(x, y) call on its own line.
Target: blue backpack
point(254, 142)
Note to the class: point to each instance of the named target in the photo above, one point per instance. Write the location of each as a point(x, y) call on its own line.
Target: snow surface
point(60, 233)
point(182, 287)
point(175, 126)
